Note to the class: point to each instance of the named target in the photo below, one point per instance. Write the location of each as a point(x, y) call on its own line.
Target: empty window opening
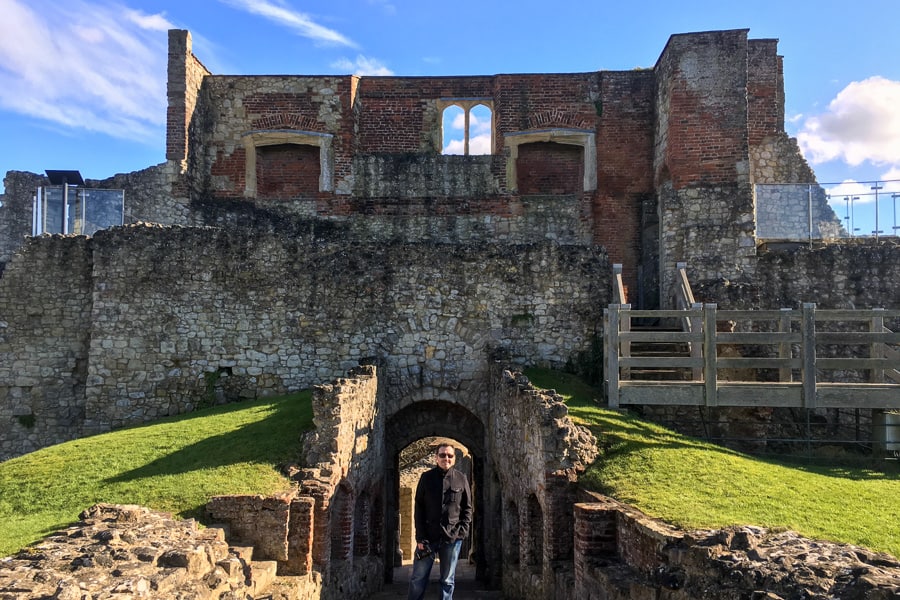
point(467, 129)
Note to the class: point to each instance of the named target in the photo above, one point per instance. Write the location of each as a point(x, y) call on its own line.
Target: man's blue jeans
point(448, 554)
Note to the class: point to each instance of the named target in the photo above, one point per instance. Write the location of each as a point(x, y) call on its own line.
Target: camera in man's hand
point(425, 552)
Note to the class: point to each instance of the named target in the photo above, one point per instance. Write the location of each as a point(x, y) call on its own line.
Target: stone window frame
point(466, 104)
point(274, 137)
point(558, 135)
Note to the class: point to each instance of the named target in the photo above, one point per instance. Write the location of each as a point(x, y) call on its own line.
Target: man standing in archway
point(443, 509)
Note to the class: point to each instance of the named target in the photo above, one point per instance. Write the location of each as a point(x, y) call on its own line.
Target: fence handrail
point(793, 329)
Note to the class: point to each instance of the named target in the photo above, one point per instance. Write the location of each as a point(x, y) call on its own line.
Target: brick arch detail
point(285, 122)
point(273, 137)
point(559, 119)
point(577, 137)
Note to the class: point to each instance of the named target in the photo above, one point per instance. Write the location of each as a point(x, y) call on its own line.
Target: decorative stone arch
point(273, 137)
point(575, 137)
point(466, 104)
point(436, 418)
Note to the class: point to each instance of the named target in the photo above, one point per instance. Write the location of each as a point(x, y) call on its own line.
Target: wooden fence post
point(784, 348)
point(696, 324)
point(876, 350)
point(808, 371)
point(709, 354)
point(612, 357)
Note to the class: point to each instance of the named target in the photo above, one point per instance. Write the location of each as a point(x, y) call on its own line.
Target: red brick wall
point(287, 171)
point(550, 168)
point(185, 76)
point(399, 114)
point(703, 104)
point(625, 138)
point(765, 101)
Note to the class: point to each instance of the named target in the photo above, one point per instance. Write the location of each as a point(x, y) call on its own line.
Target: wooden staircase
point(657, 349)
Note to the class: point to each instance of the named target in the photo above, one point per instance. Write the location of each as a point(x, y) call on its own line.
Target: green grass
point(173, 465)
point(694, 484)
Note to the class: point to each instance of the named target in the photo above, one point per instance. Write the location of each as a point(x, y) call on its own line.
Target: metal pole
point(809, 218)
point(894, 198)
point(847, 215)
point(852, 219)
point(876, 187)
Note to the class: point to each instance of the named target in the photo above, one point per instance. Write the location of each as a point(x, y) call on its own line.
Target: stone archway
point(432, 418)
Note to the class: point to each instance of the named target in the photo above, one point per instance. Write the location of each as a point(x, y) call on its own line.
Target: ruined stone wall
point(622, 554)
point(176, 318)
point(702, 158)
point(330, 530)
point(846, 275)
point(16, 211)
point(795, 212)
point(538, 453)
point(45, 325)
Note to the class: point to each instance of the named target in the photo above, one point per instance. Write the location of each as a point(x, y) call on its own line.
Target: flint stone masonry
point(144, 322)
point(621, 554)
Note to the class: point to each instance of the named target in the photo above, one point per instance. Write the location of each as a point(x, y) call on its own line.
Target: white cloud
point(387, 6)
point(454, 147)
point(479, 144)
point(862, 123)
point(92, 66)
point(361, 66)
point(302, 23)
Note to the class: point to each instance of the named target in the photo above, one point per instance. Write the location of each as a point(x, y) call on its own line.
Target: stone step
point(261, 574)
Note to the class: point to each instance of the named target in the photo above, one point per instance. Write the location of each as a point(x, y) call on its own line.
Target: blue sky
point(82, 83)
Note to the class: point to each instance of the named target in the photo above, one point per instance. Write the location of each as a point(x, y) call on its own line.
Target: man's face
point(445, 456)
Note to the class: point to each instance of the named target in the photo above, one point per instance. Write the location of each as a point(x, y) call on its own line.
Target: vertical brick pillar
point(185, 75)
point(558, 500)
point(407, 524)
point(300, 538)
point(595, 538)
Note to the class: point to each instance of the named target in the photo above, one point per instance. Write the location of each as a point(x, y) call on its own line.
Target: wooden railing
point(787, 341)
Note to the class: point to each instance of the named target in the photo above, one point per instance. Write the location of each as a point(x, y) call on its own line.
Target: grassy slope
point(173, 465)
point(694, 484)
point(177, 463)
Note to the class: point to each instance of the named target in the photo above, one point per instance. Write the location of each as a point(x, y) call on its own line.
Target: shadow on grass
point(272, 440)
point(620, 433)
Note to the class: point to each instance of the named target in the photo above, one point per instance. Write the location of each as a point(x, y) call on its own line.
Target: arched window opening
point(467, 128)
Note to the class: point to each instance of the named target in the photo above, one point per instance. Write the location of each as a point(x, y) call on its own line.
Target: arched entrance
point(434, 418)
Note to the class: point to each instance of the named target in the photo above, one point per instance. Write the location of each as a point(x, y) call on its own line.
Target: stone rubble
point(126, 551)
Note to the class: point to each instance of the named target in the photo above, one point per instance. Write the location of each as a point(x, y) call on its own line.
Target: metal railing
point(806, 212)
point(77, 210)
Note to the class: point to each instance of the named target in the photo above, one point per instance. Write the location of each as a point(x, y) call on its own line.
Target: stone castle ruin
point(308, 231)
